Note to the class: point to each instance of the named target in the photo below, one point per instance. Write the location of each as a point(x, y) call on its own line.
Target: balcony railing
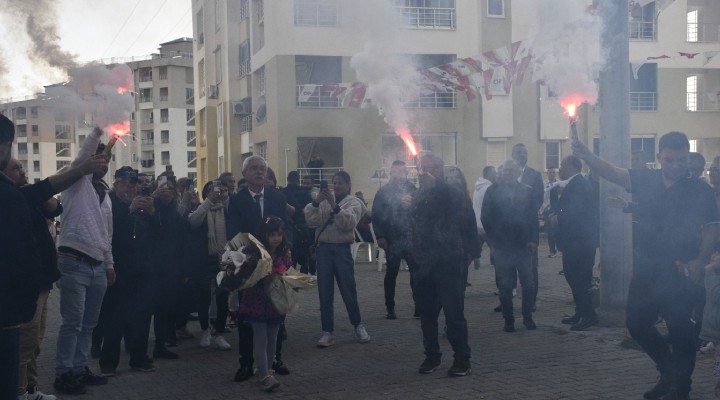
point(192, 163)
point(148, 141)
point(642, 30)
point(147, 163)
point(319, 98)
point(428, 17)
point(146, 99)
point(190, 96)
point(643, 101)
point(146, 78)
point(245, 68)
point(703, 33)
point(319, 174)
point(191, 139)
point(434, 100)
point(62, 135)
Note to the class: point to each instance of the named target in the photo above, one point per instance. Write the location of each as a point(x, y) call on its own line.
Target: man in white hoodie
point(86, 264)
point(481, 186)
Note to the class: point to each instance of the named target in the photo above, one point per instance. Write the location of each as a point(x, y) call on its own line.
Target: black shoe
point(108, 372)
point(87, 378)
point(509, 326)
point(67, 383)
point(459, 368)
point(529, 324)
point(391, 314)
point(571, 320)
point(428, 366)
point(243, 373)
point(661, 388)
point(280, 368)
point(95, 351)
point(584, 323)
point(143, 366)
point(498, 308)
point(162, 352)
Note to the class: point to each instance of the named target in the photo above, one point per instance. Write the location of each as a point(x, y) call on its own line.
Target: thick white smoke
point(390, 76)
point(567, 45)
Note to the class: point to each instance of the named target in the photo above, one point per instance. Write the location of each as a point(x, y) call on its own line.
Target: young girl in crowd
point(255, 306)
point(711, 318)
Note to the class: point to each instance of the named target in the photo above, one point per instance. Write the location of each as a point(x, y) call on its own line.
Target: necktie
point(258, 209)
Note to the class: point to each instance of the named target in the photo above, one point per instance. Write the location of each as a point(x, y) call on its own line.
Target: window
point(62, 131)
point(496, 8)
point(134, 158)
point(316, 13)
point(692, 93)
point(261, 149)
point(692, 26)
point(311, 72)
point(33, 112)
point(164, 115)
point(189, 95)
point(148, 137)
point(260, 11)
point(165, 157)
point(693, 145)
point(36, 166)
point(261, 80)
point(20, 113)
point(62, 149)
point(190, 138)
point(552, 155)
point(191, 156)
point(244, 58)
point(441, 144)
point(163, 94)
point(21, 130)
point(642, 23)
point(35, 131)
point(61, 165)
point(36, 148)
point(244, 9)
point(22, 148)
point(433, 99)
point(146, 74)
point(145, 95)
point(164, 137)
point(702, 92)
point(643, 90)
point(189, 115)
point(427, 14)
point(218, 14)
point(201, 77)
point(163, 73)
point(200, 23)
point(218, 65)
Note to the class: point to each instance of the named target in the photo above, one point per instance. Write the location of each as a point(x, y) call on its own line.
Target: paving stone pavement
point(550, 363)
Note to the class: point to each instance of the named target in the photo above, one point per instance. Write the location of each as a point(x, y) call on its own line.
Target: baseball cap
point(126, 173)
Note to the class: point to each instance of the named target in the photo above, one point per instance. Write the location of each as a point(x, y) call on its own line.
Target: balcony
point(147, 163)
point(62, 150)
point(428, 17)
point(319, 98)
point(64, 134)
point(148, 142)
point(642, 31)
point(434, 100)
point(146, 78)
point(319, 174)
point(643, 101)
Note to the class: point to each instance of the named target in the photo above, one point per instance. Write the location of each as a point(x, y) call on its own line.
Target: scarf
point(217, 238)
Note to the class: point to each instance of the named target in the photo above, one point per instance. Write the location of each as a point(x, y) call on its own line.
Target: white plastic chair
point(371, 248)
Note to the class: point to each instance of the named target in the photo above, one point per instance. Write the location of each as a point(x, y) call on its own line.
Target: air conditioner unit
point(212, 92)
point(241, 108)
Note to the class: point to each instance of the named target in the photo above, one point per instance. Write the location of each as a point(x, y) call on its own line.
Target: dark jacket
point(390, 216)
point(509, 217)
point(533, 179)
point(36, 195)
point(577, 216)
point(171, 255)
point(20, 263)
point(298, 197)
point(242, 217)
point(438, 216)
point(131, 242)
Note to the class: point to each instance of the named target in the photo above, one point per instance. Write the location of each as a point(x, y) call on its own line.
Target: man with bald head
point(510, 221)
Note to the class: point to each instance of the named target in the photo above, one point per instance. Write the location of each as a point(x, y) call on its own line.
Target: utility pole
point(615, 226)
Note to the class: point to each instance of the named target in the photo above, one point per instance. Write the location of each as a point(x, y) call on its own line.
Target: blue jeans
point(10, 350)
point(335, 262)
point(82, 287)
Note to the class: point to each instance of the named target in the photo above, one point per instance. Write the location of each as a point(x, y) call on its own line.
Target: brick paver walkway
point(549, 363)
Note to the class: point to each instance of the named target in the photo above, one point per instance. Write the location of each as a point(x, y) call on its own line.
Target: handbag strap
point(328, 222)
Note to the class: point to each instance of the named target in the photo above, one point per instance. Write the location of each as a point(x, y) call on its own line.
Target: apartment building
point(163, 126)
point(253, 58)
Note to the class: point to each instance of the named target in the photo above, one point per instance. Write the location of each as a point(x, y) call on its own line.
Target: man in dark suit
point(576, 219)
point(532, 178)
point(246, 210)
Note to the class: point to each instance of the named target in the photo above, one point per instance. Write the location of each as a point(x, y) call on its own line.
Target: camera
point(323, 185)
point(145, 190)
point(216, 186)
point(162, 181)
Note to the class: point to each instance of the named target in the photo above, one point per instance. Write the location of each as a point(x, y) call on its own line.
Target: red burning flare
point(570, 104)
point(115, 131)
point(407, 138)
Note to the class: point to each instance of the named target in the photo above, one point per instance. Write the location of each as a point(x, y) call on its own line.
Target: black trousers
point(578, 267)
point(394, 258)
point(667, 294)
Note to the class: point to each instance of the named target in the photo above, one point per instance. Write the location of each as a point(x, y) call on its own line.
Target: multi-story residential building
point(253, 57)
point(163, 128)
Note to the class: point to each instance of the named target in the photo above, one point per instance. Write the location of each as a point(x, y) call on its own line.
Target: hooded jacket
point(481, 186)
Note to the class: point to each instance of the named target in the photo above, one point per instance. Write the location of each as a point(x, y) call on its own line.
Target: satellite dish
point(261, 113)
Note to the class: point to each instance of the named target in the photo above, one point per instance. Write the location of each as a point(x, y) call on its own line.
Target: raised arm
point(616, 175)
point(89, 147)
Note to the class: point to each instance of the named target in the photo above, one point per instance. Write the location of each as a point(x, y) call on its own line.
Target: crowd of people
point(149, 252)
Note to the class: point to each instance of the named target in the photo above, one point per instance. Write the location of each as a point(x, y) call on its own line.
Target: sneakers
point(221, 344)
point(459, 368)
point(34, 394)
point(280, 368)
point(144, 366)
point(183, 333)
point(326, 340)
point(428, 366)
point(205, 338)
point(552, 255)
point(87, 378)
point(67, 383)
point(269, 383)
point(707, 347)
point(362, 334)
